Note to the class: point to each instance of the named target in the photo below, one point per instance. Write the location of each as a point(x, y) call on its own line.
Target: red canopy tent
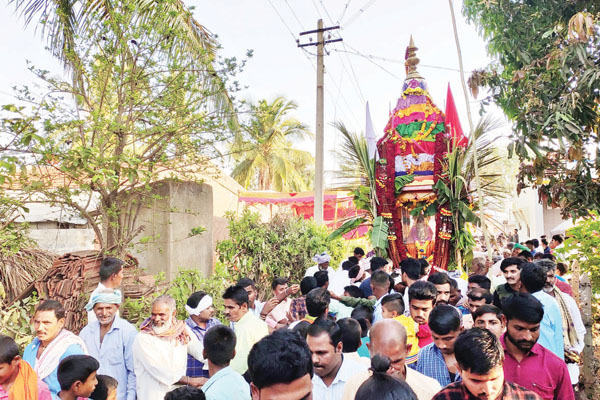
point(337, 206)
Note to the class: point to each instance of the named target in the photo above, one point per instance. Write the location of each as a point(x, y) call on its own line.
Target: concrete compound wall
point(62, 241)
point(168, 220)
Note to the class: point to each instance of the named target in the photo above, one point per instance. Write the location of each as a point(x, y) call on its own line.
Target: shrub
point(15, 321)
point(282, 247)
point(583, 245)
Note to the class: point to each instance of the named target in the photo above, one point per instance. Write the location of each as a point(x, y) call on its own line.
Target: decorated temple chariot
point(411, 159)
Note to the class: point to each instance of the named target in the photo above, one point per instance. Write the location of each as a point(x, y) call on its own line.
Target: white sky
point(379, 28)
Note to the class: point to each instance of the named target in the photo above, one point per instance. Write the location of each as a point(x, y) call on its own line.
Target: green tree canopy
point(263, 150)
point(62, 22)
point(546, 77)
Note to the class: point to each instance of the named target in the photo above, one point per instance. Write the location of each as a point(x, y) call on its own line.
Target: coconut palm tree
point(263, 149)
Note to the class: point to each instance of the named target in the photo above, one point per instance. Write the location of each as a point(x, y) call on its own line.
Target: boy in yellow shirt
point(392, 306)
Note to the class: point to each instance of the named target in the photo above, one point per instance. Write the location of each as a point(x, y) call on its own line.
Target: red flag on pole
point(453, 122)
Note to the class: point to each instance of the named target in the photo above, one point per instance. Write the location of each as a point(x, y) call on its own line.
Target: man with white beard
point(160, 352)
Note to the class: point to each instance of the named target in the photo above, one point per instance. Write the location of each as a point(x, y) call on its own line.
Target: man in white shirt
point(322, 261)
point(388, 338)
point(331, 369)
point(160, 352)
point(254, 305)
point(573, 327)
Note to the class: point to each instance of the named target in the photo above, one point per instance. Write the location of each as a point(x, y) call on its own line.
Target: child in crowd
point(77, 377)
point(393, 307)
point(106, 389)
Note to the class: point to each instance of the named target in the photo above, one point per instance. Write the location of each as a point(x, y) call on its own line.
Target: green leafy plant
point(548, 88)
point(458, 190)
point(282, 247)
point(346, 227)
point(357, 170)
point(15, 320)
point(583, 245)
point(180, 288)
point(189, 281)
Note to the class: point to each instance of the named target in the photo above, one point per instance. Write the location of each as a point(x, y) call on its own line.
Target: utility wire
point(354, 74)
point(317, 8)
point(294, 14)
point(360, 11)
point(283, 21)
point(378, 66)
point(344, 11)
point(396, 60)
point(327, 13)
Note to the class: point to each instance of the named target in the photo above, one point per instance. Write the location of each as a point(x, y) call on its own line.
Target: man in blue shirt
point(109, 340)
point(224, 382)
point(51, 344)
point(533, 279)
point(376, 263)
point(200, 308)
point(437, 360)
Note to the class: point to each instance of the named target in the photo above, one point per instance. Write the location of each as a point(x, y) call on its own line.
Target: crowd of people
point(361, 331)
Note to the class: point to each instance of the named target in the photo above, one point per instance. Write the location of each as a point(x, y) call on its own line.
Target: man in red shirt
point(480, 356)
point(528, 363)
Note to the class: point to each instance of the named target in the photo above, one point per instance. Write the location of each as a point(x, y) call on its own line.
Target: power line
point(294, 14)
point(395, 60)
point(344, 11)
point(283, 20)
point(353, 77)
point(355, 81)
point(327, 12)
point(377, 65)
point(360, 11)
point(291, 33)
point(317, 8)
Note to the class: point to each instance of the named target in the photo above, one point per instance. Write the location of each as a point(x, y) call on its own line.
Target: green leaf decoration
point(346, 227)
point(467, 213)
point(431, 210)
point(379, 233)
point(402, 181)
point(362, 200)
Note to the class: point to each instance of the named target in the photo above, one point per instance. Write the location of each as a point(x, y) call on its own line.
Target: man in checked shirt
point(480, 358)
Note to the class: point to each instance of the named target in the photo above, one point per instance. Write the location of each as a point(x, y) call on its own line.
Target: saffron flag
point(453, 122)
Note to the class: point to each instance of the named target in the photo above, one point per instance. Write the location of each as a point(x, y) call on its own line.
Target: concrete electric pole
point(319, 164)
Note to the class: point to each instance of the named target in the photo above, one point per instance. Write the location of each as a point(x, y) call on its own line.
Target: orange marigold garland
point(386, 194)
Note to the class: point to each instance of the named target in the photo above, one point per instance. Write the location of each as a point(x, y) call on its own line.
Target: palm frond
point(355, 164)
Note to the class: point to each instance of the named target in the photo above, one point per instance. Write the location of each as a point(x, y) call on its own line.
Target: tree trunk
point(585, 295)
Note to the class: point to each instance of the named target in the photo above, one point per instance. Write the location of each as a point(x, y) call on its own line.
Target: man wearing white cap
point(201, 312)
point(322, 261)
point(109, 340)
